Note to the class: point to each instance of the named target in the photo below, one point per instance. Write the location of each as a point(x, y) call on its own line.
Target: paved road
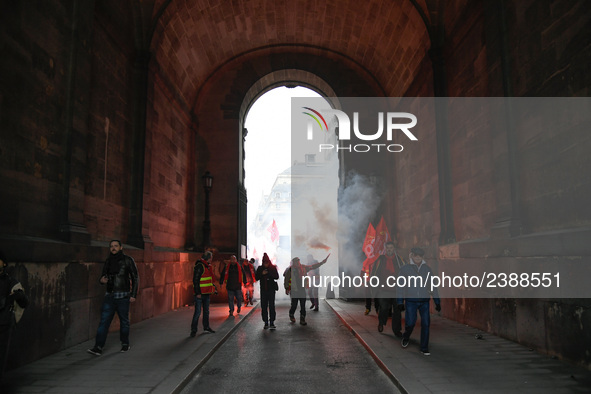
point(320, 357)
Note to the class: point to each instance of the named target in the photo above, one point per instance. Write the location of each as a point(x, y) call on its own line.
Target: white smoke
point(358, 203)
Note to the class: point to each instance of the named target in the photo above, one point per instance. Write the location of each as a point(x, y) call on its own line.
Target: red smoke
point(315, 244)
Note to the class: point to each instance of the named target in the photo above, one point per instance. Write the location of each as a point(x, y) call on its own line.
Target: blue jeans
point(411, 318)
point(268, 305)
point(110, 306)
point(199, 302)
point(231, 295)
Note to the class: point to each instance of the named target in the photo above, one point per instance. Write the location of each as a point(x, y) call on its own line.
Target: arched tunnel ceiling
point(192, 39)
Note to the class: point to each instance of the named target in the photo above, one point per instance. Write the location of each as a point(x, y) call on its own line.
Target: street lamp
point(207, 185)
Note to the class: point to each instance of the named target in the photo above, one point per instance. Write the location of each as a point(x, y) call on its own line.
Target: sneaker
point(238, 310)
point(292, 318)
point(426, 352)
point(266, 326)
point(312, 306)
point(398, 334)
point(405, 341)
point(273, 326)
point(367, 312)
point(125, 348)
point(316, 309)
point(208, 329)
point(231, 313)
point(97, 351)
point(303, 321)
point(192, 334)
point(250, 302)
point(380, 327)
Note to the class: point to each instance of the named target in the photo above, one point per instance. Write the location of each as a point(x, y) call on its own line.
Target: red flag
point(368, 248)
point(382, 236)
point(368, 244)
point(274, 231)
point(368, 263)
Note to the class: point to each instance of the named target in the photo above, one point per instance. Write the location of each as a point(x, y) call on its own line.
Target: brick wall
point(65, 294)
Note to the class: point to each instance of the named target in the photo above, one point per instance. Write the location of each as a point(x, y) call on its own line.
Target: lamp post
point(207, 185)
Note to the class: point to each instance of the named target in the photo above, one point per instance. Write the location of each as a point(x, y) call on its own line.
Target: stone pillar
point(508, 223)
point(72, 228)
point(138, 231)
point(447, 234)
point(191, 215)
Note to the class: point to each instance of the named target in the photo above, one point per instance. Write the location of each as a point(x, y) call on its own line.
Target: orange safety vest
point(239, 274)
point(206, 282)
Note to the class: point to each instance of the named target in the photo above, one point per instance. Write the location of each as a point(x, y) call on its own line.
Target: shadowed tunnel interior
point(112, 111)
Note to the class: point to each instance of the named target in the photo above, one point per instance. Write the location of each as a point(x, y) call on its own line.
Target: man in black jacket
point(385, 266)
point(122, 281)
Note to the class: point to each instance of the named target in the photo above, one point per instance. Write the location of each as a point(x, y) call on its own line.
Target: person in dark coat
point(267, 274)
point(388, 265)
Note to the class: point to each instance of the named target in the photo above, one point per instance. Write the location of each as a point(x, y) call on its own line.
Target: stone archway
point(223, 101)
point(288, 78)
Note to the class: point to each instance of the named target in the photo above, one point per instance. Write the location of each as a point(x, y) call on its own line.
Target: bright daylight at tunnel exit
point(271, 169)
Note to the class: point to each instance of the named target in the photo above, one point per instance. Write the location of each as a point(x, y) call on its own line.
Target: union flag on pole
point(368, 248)
point(370, 238)
point(274, 231)
point(382, 236)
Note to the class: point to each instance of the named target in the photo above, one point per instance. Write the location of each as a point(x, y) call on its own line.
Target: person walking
point(120, 276)
point(388, 265)
point(249, 274)
point(314, 281)
point(267, 274)
point(296, 286)
point(203, 288)
point(234, 278)
point(417, 296)
point(368, 292)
